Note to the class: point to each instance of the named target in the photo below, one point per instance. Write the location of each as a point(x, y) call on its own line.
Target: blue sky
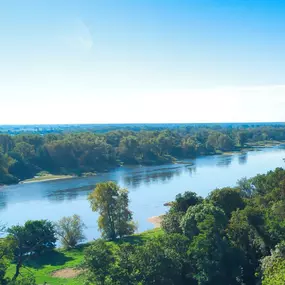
point(128, 61)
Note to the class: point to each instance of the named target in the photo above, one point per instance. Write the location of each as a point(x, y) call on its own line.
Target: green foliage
point(275, 276)
point(184, 201)
point(171, 222)
point(112, 203)
point(273, 266)
point(196, 218)
point(228, 199)
point(6, 255)
point(160, 262)
point(70, 231)
point(99, 261)
point(35, 237)
point(22, 156)
point(236, 236)
point(23, 280)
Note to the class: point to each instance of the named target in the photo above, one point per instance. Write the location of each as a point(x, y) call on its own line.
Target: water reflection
point(3, 200)
point(69, 194)
point(191, 170)
point(135, 180)
point(242, 158)
point(225, 161)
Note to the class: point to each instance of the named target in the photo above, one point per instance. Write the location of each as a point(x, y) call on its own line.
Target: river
point(150, 187)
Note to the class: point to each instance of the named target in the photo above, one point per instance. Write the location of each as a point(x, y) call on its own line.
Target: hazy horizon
point(141, 124)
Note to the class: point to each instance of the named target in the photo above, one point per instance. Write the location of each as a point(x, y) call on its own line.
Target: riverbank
point(156, 221)
point(186, 161)
point(62, 266)
point(46, 178)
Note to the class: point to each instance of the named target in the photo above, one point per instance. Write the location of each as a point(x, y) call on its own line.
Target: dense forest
point(22, 156)
point(234, 236)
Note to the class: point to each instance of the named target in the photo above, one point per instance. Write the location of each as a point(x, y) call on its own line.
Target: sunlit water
point(150, 188)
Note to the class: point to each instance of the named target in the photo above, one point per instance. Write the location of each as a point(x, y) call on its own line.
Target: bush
point(70, 231)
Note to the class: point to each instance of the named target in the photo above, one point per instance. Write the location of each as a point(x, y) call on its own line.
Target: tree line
point(234, 236)
point(23, 156)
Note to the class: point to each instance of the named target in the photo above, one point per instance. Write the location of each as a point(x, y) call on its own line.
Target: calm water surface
point(150, 188)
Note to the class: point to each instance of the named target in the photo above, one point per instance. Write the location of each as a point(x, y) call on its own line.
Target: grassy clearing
point(44, 266)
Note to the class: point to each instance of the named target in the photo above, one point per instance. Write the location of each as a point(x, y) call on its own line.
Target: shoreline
point(249, 147)
point(46, 178)
point(156, 221)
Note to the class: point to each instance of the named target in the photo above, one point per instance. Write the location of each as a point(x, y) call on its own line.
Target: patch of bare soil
point(156, 221)
point(66, 273)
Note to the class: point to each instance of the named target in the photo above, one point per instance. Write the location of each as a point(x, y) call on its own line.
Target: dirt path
point(66, 273)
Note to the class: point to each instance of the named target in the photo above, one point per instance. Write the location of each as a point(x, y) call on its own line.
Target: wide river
point(149, 187)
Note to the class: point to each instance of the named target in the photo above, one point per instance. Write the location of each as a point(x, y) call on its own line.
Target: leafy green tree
point(273, 266)
point(275, 274)
point(23, 280)
point(241, 138)
point(6, 256)
point(124, 273)
point(99, 263)
point(171, 222)
point(184, 201)
point(213, 260)
point(225, 143)
point(246, 187)
point(26, 150)
point(35, 237)
point(247, 232)
point(197, 214)
point(154, 263)
point(228, 199)
point(111, 202)
point(70, 231)
point(212, 142)
point(129, 149)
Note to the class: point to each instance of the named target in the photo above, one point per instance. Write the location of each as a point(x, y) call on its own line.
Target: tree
point(171, 222)
point(128, 149)
point(112, 202)
point(70, 231)
point(213, 260)
point(225, 143)
point(246, 187)
point(273, 266)
point(6, 255)
point(184, 201)
point(99, 262)
point(161, 261)
point(26, 150)
point(23, 280)
point(228, 199)
point(274, 275)
point(124, 273)
point(193, 220)
point(35, 237)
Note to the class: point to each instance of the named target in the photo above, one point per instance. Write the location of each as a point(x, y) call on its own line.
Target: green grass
point(44, 266)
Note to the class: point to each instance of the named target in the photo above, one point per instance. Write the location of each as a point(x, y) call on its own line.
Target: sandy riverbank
point(156, 221)
point(46, 178)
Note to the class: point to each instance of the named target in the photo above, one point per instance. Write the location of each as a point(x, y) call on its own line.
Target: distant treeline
point(24, 155)
point(104, 128)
